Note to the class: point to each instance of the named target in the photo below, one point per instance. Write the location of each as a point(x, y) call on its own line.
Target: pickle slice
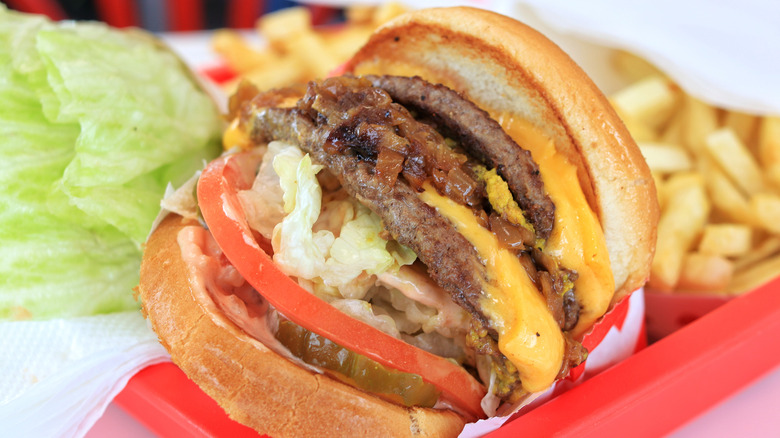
point(355, 369)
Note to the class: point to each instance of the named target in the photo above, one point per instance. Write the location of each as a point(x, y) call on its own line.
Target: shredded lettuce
point(263, 204)
point(94, 123)
point(339, 263)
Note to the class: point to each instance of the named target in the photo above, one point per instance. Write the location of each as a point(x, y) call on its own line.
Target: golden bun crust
point(254, 385)
point(506, 67)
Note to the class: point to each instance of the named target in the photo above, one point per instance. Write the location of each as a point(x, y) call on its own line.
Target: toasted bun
point(254, 385)
point(506, 67)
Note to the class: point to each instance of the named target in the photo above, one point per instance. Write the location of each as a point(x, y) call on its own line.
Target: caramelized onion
point(553, 298)
point(388, 165)
point(364, 121)
point(528, 265)
point(512, 236)
point(461, 187)
point(574, 354)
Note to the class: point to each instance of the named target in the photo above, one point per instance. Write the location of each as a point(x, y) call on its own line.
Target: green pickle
point(355, 369)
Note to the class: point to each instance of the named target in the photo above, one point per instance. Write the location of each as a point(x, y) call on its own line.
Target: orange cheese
point(577, 241)
point(234, 136)
point(527, 333)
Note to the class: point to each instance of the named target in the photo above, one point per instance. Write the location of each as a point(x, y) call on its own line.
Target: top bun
point(506, 67)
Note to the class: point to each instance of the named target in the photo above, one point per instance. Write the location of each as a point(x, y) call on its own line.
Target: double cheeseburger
point(408, 246)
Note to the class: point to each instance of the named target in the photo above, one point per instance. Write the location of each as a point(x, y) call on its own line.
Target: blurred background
point(168, 15)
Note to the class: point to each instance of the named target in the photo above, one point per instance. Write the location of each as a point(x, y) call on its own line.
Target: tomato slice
point(217, 197)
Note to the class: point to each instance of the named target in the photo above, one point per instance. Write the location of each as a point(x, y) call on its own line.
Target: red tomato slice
point(222, 211)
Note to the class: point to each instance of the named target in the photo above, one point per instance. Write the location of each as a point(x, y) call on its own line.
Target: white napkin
point(724, 52)
point(58, 376)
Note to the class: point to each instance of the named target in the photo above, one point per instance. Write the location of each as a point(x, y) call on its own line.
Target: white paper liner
point(723, 52)
point(58, 376)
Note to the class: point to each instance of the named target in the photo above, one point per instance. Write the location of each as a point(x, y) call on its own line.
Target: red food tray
point(650, 394)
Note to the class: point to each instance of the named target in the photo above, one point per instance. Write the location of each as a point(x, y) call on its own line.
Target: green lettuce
point(94, 123)
point(335, 262)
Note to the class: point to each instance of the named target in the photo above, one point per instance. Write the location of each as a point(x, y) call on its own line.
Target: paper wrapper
point(618, 335)
point(59, 376)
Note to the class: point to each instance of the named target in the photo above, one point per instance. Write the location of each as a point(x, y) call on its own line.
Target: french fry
point(673, 133)
point(726, 198)
point(665, 158)
point(639, 130)
point(233, 48)
point(361, 14)
point(769, 148)
point(633, 67)
point(650, 101)
point(767, 248)
point(311, 54)
point(686, 211)
point(373, 16)
point(772, 175)
point(735, 160)
point(753, 277)
point(705, 273)
point(765, 208)
point(345, 42)
point(699, 120)
point(285, 71)
point(727, 240)
point(769, 140)
point(745, 126)
point(281, 26)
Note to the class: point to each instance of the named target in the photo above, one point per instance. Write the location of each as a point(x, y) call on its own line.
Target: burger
point(417, 242)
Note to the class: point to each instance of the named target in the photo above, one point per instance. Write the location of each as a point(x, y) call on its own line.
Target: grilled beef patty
point(481, 136)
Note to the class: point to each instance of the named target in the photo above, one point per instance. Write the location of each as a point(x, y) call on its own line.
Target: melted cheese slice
point(577, 241)
point(235, 136)
point(527, 333)
point(579, 244)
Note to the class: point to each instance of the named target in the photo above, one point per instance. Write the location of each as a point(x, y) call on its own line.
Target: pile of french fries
point(292, 51)
point(718, 177)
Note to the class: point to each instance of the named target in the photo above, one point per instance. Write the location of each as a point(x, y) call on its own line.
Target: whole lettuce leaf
point(94, 123)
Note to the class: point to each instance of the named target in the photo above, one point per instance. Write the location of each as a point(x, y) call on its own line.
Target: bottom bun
point(254, 385)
